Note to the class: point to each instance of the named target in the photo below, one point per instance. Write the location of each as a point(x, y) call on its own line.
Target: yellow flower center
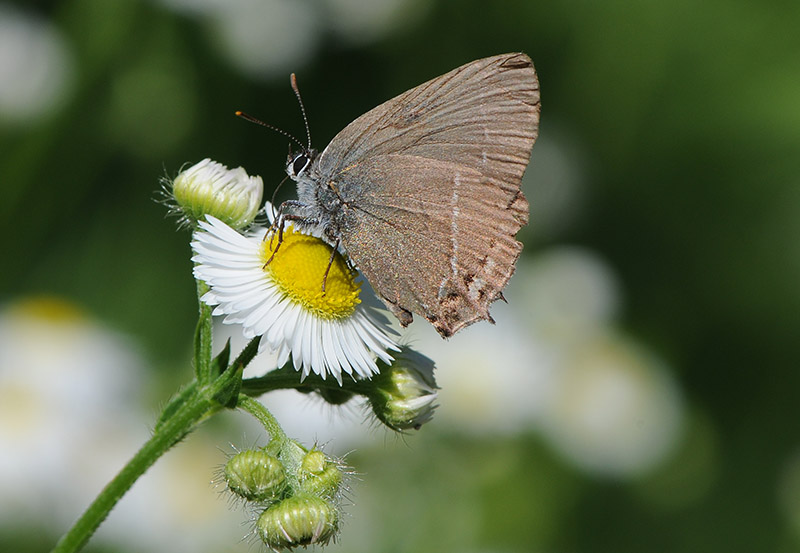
point(299, 268)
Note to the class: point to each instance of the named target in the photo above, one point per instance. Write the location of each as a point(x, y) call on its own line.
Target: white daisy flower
point(330, 332)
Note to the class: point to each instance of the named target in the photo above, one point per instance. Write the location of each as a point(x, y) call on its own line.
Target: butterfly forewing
point(430, 187)
point(484, 114)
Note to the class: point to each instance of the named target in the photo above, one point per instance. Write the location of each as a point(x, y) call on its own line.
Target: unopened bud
point(302, 519)
point(403, 395)
point(210, 188)
point(320, 475)
point(255, 475)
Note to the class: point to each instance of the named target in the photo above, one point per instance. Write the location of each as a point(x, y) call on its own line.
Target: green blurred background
point(668, 158)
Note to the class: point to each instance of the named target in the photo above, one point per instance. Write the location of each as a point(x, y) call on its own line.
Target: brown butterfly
point(423, 192)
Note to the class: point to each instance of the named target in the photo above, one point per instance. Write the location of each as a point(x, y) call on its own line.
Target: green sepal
point(220, 362)
point(229, 378)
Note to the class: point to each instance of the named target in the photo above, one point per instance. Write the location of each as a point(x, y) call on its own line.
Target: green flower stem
point(215, 387)
point(287, 378)
point(281, 379)
point(202, 339)
point(195, 408)
point(271, 425)
point(289, 452)
point(190, 407)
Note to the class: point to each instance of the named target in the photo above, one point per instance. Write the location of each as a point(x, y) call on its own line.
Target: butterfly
point(423, 193)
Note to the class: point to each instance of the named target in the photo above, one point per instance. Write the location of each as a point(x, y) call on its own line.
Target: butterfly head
point(299, 162)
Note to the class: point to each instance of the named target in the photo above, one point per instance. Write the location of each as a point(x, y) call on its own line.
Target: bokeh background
point(638, 393)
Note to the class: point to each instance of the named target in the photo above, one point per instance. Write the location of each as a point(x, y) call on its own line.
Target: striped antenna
point(252, 119)
point(293, 79)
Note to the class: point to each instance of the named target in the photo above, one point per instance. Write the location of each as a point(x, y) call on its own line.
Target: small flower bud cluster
point(297, 491)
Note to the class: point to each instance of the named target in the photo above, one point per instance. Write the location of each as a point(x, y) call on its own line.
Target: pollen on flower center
point(298, 270)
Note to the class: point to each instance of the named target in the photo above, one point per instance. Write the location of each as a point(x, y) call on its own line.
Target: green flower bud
point(298, 520)
point(255, 475)
point(403, 395)
point(320, 475)
point(210, 188)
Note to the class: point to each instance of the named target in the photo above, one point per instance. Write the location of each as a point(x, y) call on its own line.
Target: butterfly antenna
point(252, 119)
point(293, 78)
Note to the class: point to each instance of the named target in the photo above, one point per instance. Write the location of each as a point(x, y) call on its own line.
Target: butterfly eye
point(300, 163)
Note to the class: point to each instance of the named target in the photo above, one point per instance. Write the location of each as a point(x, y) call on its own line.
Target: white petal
point(336, 335)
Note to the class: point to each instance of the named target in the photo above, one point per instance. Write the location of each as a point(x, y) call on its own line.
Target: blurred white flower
point(554, 362)
point(271, 38)
point(66, 386)
point(70, 420)
point(490, 375)
point(496, 378)
point(357, 21)
point(565, 295)
point(267, 38)
point(612, 407)
point(36, 66)
point(262, 38)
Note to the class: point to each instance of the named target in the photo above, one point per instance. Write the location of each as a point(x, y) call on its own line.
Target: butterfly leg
point(280, 225)
point(277, 224)
point(280, 222)
point(328, 269)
